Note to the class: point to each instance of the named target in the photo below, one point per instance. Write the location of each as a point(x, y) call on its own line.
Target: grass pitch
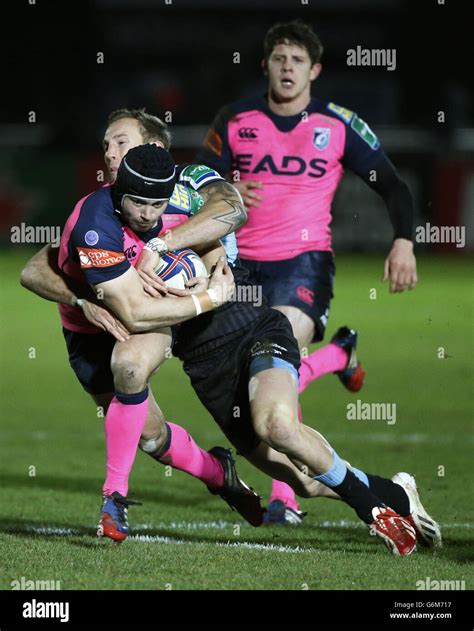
point(52, 454)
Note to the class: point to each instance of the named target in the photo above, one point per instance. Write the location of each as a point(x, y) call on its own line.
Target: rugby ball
point(177, 267)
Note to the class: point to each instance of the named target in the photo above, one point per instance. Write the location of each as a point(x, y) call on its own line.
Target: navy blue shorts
point(220, 377)
point(89, 356)
point(305, 282)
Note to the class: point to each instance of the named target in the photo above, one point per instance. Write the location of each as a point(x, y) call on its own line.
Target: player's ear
point(158, 143)
point(315, 71)
point(265, 67)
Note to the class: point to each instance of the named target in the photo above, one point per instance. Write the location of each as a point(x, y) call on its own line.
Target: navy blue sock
point(392, 494)
point(350, 489)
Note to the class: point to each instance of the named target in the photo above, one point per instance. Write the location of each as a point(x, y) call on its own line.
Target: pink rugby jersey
point(299, 159)
point(96, 246)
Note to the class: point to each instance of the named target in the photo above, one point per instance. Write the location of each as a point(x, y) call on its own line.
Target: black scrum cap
point(147, 172)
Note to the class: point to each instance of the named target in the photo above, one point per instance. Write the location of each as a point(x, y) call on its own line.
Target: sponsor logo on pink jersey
point(300, 171)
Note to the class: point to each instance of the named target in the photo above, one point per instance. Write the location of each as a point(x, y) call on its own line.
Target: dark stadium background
point(178, 58)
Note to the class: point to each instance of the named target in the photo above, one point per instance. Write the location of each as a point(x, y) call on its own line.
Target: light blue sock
point(361, 475)
point(336, 473)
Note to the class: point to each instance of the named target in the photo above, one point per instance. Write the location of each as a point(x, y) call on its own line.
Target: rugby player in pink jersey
point(99, 243)
point(286, 152)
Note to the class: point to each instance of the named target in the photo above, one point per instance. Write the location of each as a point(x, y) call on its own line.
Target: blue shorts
point(305, 282)
point(220, 377)
point(89, 356)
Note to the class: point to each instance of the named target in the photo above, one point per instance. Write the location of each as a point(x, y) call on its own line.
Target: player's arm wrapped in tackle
point(222, 212)
point(42, 276)
point(125, 297)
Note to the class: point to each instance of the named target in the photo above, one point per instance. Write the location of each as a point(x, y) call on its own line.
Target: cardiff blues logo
point(321, 137)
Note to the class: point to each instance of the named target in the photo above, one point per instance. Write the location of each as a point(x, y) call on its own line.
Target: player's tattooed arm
point(234, 215)
point(42, 276)
point(223, 212)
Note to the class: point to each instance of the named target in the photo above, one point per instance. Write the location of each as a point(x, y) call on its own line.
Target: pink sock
point(184, 454)
point(283, 491)
point(124, 424)
point(328, 359)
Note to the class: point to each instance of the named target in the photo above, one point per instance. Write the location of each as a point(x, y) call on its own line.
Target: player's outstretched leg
point(283, 508)
point(234, 491)
point(133, 362)
point(215, 468)
point(400, 493)
point(339, 357)
point(273, 402)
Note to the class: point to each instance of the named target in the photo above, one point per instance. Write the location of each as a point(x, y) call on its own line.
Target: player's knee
point(154, 437)
point(149, 445)
point(277, 427)
point(129, 375)
point(153, 445)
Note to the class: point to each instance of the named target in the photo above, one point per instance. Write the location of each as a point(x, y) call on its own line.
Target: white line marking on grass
point(343, 523)
point(52, 530)
point(188, 525)
point(55, 531)
point(229, 544)
point(155, 539)
point(64, 532)
point(264, 546)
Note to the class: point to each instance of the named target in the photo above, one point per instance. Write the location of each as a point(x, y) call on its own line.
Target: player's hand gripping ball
point(176, 268)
